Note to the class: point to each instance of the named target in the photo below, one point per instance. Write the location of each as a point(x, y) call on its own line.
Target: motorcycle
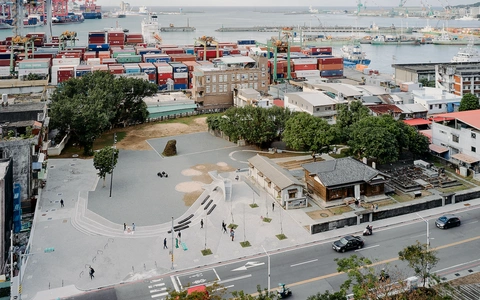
point(368, 230)
point(283, 292)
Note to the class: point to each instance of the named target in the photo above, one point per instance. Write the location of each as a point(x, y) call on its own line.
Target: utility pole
point(268, 268)
point(113, 160)
point(173, 246)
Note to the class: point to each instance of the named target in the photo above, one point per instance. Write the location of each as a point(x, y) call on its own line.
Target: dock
point(332, 29)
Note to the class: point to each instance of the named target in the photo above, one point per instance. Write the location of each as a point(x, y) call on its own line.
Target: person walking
point(165, 243)
point(61, 203)
point(232, 234)
point(201, 223)
point(92, 271)
point(133, 226)
point(224, 226)
point(124, 226)
point(273, 206)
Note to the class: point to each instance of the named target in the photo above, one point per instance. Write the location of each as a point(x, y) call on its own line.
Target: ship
point(394, 40)
point(90, 10)
point(467, 54)
point(151, 29)
point(448, 39)
point(31, 21)
point(173, 28)
point(143, 10)
point(352, 54)
point(71, 18)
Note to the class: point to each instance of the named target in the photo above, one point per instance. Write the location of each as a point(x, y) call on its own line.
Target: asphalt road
point(311, 268)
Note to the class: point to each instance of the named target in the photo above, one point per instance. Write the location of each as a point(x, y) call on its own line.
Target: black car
point(348, 242)
point(447, 221)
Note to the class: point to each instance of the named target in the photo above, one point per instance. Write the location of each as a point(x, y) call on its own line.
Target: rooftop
point(341, 171)
point(412, 108)
point(339, 88)
point(281, 177)
point(30, 106)
point(416, 122)
point(384, 108)
point(470, 117)
point(315, 99)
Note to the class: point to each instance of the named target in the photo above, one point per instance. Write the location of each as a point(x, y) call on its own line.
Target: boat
point(173, 28)
point(71, 18)
point(467, 18)
point(394, 40)
point(143, 10)
point(90, 10)
point(352, 54)
point(151, 29)
point(445, 38)
point(468, 54)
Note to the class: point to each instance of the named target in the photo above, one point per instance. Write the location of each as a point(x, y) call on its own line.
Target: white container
point(308, 73)
point(65, 61)
point(305, 61)
point(165, 69)
point(180, 75)
point(23, 72)
point(4, 71)
point(93, 61)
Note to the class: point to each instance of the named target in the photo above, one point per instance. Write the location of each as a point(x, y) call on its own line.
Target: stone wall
point(333, 224)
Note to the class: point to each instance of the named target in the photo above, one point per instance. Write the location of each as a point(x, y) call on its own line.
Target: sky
point(314, 3)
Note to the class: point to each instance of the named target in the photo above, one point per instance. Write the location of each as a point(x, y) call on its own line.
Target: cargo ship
point(90, 10)
point(151, 29)
point(173, 28)
point(353, 55)
point(71, 18)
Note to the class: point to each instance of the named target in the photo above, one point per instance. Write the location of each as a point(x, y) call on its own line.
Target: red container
point(182, 57)
point(173, 51)
point(330, 67)
point(164, 75)
point(152, 77)
point(191, 65)
point(210, 54)
point(4, 62)
point(109, 61)
point(234, 51)
point(65, 74)
point(300, 67)
point(89, 54)
point(116, 34)
point(330, 61)
point(116, 69)
point(180, 80)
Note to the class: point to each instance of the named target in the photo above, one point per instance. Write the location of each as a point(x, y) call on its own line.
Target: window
point(263, 83)
point(220, 78)
point(214, 88)
point(455, 138)
point(328, 108)
point(239, 77)
point(431, 106)
point(214, 78)
point(220, 88)
point(474, 136)
point(207, 89)
point(440, 106)
point(225, 78)
point(474, 149)
point(444, 132)
point(225, 88)
point(233, 77)
point(232, 87)
point(292, 193)
point(263, 74)
point(207, 79)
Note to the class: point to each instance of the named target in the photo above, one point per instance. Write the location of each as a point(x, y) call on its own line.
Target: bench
point(186, 219)
point(211, 209)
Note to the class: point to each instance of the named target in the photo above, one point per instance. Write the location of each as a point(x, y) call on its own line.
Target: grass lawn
point(340, 209)
point(281, 236)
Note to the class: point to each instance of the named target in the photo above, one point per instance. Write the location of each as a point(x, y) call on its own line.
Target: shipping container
point(178, 86)
point(4, 71)
point(209, 54)
point(307, 73)
point(147, 68)
point(89, 54)
point(129, 58)
point(173, 50)
point(305, 61)
point(330, 61)
point(116, 69)
point(180, 75)
point(191, 65)
point(182, 57)
point(93, 61)
point(26, 72)
point(162, 87)
point(124, 52)
point(5, 62)
point(163, 68)
point(153, 58)
point(109, 61)
point(149, 50)
point(179, 67)
point(100, 68)
point(65, 61)
point(40, 63)
point(54, 72)
point(330, 67)
point(302, 67)
point(246, 42)
point(332, 73)
point(82, 70)
point(98, 47)
point(131, 68)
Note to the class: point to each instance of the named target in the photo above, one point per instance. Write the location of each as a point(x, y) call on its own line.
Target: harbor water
point(207, 20)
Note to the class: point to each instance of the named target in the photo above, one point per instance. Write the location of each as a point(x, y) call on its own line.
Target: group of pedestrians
point(127, 229)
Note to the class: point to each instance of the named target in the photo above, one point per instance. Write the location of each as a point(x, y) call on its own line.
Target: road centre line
point(302, 263)
point(236, 278)
point(374, 264)
point(374, 246)
point(418, 235)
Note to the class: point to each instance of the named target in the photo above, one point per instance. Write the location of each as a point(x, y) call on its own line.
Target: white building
point(456, 136)
point(436, 101)
point(317, 104)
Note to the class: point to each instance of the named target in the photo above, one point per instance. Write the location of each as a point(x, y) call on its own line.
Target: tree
point(215, 292)
point(328, 296)
point(280, 116)
point(88, 106)
point(417, 142)
point(105, 161)
point(420, 259)
point(469, 102)
point(261, 295)
point(361, 276)
point(307, 133)
point(347, 115)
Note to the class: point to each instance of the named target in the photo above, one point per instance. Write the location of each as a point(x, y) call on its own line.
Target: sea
point(207, 20)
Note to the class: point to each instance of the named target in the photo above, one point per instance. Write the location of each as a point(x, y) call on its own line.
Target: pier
point(331, 29)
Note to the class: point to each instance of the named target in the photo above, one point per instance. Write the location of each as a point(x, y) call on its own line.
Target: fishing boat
point(467, 54)
point(151, 29)
point(352, 54)
point(445, 38)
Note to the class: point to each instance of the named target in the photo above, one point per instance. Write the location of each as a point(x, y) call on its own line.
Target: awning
point(437, 148)
point(465, 158)
point(36, 166)
point(41, 157)
point(277, 188)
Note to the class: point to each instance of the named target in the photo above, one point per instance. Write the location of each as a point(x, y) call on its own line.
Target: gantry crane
point(207, 41)
point(67, 39)
point(279, 45)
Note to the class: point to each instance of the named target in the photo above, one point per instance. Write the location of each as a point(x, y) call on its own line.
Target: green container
point(129, 59)
point(33, 65)
point(115, 54)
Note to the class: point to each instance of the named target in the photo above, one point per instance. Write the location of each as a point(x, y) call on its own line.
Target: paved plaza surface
point(88, 231)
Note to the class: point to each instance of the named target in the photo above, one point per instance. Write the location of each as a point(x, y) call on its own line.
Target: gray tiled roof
point(279, 176)
point(341, 171)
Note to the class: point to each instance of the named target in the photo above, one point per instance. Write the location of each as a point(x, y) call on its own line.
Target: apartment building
point(458, 78)
point(436, 101)
point(317, 104)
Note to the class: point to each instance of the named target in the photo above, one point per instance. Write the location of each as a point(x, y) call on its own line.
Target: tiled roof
point(384, 108)
point(470, 117)
point(279, 176)
point(341, 171)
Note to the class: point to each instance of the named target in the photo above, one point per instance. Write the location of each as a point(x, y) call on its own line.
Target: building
point(342, 178)
point(317, 104)
point(458, 78)
point(385, 109)
point(6, 207)
point(339, 91)
point(413, 111)
point(436, 101)
point(456, 137)
point(414, 72)
point(277, 182)
point(215, 87)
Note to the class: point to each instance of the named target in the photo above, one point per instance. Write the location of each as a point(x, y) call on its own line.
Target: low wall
point(365, 216)
point(57, 150)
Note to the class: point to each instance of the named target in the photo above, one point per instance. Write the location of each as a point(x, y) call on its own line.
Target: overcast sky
point(314, 3)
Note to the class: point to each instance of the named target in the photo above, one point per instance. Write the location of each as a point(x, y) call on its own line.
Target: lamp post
point(113, 160)
point(428, 243)
point(268, 268)
point(173, 246)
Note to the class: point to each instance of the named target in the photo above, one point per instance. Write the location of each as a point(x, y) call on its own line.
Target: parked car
point(348, 242)
point(447, 221)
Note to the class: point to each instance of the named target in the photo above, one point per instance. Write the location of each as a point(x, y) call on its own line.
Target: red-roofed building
point(418, 123)
point(459, 132)
point(278, 102)
point(382, 109)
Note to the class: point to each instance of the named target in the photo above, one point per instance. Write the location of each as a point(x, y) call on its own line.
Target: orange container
point(330, 67)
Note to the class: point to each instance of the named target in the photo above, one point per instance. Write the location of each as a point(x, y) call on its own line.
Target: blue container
point(6, 55)
point(179, 86)
point(246, 42)
point(162, 87)
point(179, 68)
point(226, 52)
point(132, 70)
point(149, 51)
point(189, 50)
point(331, 73)
point(98, 47)
point(280, 75)
point(81, 73)
point(157, 59)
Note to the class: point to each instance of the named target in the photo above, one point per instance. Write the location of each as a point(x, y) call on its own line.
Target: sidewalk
point(82, 238)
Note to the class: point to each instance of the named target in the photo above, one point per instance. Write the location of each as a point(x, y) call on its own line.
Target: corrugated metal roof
point(470, 117)
point(341, 171)
point(279, 176)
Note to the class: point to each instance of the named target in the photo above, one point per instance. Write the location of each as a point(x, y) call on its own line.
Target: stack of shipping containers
point(330, 67)
point(150, 70)
point(39, 66)
point(164, 73)
point(180, 76)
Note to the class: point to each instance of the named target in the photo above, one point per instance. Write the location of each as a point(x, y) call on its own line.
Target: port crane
point(279, 45)
point(359, 6)
point(207, 41)
point(402, 3)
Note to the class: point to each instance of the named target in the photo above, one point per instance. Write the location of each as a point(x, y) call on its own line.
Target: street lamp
point(268, 267)
point(113, 160)
point(428, 231)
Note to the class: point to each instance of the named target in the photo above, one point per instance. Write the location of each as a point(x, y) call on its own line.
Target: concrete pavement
point(89, 229)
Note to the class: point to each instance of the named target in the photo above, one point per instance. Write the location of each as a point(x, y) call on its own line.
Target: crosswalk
point(157, 289)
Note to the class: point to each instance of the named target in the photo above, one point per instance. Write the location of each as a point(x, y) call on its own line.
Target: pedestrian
point(124, 226)
point(165, 243)
point(232, 234)
point(133, 226)
point(356, 203)
point(92, 271)
point(373, 207)
point(273, 206)
point(201, 223)
point(61, 203)
point(224, 227)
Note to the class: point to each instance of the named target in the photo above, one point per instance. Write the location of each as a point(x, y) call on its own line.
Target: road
point(311, 268)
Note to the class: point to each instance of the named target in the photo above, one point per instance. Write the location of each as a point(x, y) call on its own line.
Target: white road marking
point(471, 222)
point(156, 285)
point(249, 265)
point(174, 282)
point(236, 278)
point(305, 262)
point(226, 287)
point(215, 271)
point(459, 265)
point(156, 280)
point(159, 295)
point(158, 290)
point(358, 250)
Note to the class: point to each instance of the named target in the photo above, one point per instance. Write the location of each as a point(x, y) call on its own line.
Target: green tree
point(469, 102)
point(307, 133)
point(280, 116)
point(347, 115)
point(328, 296)
point(105, 161)
point(420, 259)
point(260, 295)
point(88, 106)
point(213, 122)
point(360, 273)
point(417, 142)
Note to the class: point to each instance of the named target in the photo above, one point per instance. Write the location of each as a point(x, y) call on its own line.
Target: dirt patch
point(469, 279)
point(190, 198)
point(188, 187)
point(319, 214)
point(136, 138)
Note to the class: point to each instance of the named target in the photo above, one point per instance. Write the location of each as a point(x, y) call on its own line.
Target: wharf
point(177, 29)
point(314, 28)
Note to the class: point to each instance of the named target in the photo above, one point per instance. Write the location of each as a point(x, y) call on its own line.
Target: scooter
point(368, 230)
point(283, 292)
